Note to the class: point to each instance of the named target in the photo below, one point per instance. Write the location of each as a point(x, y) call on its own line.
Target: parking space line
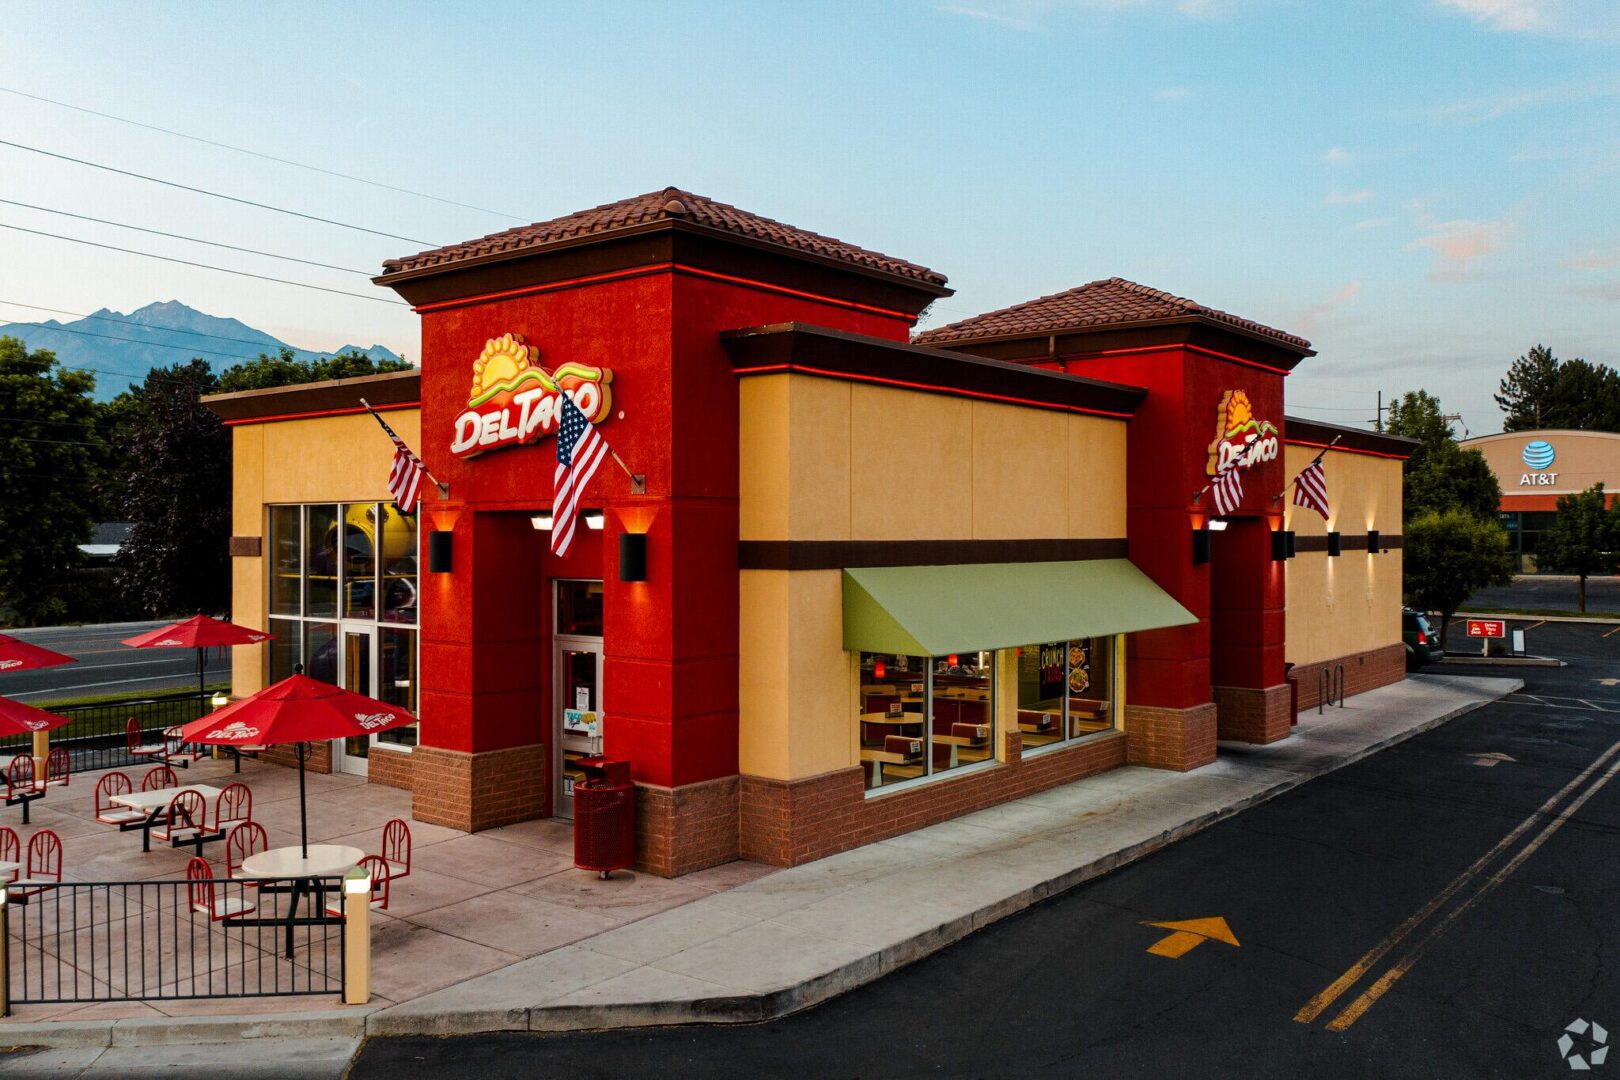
point(1357, 1008)
point(1352, 975)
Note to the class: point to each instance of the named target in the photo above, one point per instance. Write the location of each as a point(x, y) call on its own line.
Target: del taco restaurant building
point(865, 582)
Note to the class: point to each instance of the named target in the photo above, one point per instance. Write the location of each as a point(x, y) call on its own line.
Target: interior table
point(155, 804)
point(308, 875)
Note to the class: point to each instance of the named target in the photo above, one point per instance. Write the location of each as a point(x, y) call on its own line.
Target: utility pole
point(1378, 416)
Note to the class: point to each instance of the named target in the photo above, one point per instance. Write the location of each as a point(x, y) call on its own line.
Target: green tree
point(1541, 391)
point(1450, 555)
point(284, 369)
point(175, 492)
point(50, 453)
point(1440, 475)
point(1584, 537)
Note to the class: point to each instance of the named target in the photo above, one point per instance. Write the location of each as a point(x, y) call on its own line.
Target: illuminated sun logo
point(505, 363)
point(1239, 412)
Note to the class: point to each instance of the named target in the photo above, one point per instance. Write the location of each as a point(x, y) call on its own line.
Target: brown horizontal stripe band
point(837, 554)
point(1348, 542)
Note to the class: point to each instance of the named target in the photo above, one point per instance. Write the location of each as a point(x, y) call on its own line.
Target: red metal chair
point(187, 817)
point(396, 848)
point(109, 812)
point(200, 893)
point(159, 777)
point(175, 747)
point(22, 785)
point(377, 867)
point(10, 851)
point(58, 768)
point(235, 804)
point(138, 749)
point(44, 867)
point(248, 838)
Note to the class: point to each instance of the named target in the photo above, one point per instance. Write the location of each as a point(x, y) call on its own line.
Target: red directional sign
point(1486, 628)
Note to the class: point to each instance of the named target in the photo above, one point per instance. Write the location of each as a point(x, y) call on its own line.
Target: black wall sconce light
point(440, 552)
point(1283, 545)
point(1335, 544)
point(1200, 546)
point(1372, 542)
point(632, 556)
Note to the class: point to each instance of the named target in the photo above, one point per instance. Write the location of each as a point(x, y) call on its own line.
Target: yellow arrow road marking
point(1491, 760)
point(1188, 935)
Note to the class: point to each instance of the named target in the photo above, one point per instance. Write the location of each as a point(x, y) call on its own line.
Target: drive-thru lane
point(1491, 970)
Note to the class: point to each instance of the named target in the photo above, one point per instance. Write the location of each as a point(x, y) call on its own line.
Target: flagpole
point(638, 481)
point(1320, 454)
point(444, 489)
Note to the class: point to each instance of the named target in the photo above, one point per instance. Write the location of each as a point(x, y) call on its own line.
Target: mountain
point(123, 348)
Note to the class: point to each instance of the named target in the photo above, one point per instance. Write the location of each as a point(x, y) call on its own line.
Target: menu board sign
point(582, 722)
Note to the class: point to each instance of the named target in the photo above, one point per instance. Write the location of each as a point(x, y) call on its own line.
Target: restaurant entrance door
point(576, 682)
point(357, 672)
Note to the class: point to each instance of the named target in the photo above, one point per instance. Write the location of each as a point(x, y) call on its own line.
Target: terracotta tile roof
point(1099, 303)
point(667, 204)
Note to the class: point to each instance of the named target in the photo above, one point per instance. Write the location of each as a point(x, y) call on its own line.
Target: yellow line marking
point(1352, 975)
point(1613, 632)
point(1533, 626)
point(1355, 1010)
point(1189, 935)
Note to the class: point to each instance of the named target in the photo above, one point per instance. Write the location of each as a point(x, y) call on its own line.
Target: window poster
point(1051, 657)
point(1079, 666)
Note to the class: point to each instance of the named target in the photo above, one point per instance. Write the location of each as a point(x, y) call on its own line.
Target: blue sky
point(1425, 188)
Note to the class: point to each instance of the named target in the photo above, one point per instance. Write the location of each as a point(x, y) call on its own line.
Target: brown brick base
point(1243, 714)
point(391, 768)
point(788, 822)
point(1179, 739)
point(478, 791)
point(1363, 671)
point(679, 830)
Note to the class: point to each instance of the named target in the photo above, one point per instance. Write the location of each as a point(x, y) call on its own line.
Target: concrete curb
point(1501, 661)
point(1508, 617)
point(722, 1009)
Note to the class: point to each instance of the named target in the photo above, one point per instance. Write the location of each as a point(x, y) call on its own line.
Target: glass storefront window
point(286, 562)
point(320, 561)
point(398, 565)
point(396, 679)
point(360, 561)
point(1065, 690)
point(922, 716)
point(321, 651)
point(579, 608)
point(286, 648)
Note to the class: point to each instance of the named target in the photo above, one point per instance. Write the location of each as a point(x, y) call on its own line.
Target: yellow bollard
point(356, 937)
point(42, 750)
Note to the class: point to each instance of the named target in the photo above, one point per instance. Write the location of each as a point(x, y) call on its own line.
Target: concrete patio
point(471, 904)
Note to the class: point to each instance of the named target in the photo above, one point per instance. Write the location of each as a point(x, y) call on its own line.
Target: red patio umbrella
point(19, 719)
point(198, 632)
point(19, 655)
point(299, 710)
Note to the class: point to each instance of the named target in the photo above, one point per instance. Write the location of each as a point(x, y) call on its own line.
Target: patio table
point(154, 804)
point(9, 868)
point(307, 875)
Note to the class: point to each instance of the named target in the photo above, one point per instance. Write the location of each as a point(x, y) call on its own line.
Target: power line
point(126, 322)
point(188, 239)
point(214, 194)
point(205, 266)
point(55, 423)
point(263, 156)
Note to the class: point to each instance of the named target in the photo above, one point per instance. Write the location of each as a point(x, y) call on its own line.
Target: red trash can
point(604, 816)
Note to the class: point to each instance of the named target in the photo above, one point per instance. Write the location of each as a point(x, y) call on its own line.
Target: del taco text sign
point(514, 400)
point(1241, 441)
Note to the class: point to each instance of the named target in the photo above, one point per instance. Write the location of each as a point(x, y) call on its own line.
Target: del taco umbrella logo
point(1241, 441)
point(514, 400)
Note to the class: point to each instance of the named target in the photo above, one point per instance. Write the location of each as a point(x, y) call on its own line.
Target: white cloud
point(1308, 320)
point(1494, 106)
point(1374, 223)
point(1349, 198)
point(1030, 14)
point(1581, 19)
point(1501, 14)
point(1457, 244)
point(1336, 155)
point(1173, 93)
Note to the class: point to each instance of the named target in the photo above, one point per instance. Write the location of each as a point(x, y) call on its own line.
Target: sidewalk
point(799, 936)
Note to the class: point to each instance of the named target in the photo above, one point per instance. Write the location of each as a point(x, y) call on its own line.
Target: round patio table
point(324, 861)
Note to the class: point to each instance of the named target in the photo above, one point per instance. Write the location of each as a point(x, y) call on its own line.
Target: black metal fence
point(170, 940)
point(96, 736)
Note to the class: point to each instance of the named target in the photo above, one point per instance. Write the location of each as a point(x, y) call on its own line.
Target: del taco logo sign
point(1241, 441)
point(514, 400)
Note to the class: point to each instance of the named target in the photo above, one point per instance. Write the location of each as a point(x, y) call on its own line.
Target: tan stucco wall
point(830, 460)
point(321, 459)
point(1349, 604)
point(1582, 459)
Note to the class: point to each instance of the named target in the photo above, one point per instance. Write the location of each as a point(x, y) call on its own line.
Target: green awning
point(937, 610)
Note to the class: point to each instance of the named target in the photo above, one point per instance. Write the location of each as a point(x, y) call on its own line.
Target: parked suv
point(1422, 643)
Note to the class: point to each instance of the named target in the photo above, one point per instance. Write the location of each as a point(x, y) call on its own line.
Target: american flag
point(1228, 489)
point(405, 478)
point(580, 452)
point(1310, 488)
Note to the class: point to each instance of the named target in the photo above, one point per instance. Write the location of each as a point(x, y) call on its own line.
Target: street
point(1439, 909)
point(1547, 592)
point(105, 666)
